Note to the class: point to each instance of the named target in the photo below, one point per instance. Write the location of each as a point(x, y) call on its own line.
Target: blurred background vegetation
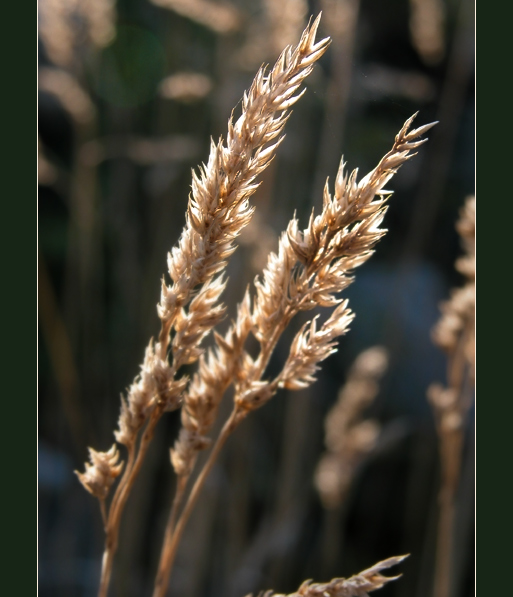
point(129, 94)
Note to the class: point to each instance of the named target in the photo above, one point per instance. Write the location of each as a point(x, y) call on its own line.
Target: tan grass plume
point(189, 306)
point(358, 585)
point(309, 270)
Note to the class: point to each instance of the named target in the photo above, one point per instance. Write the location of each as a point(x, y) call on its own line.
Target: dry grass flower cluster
point(455, 335)
point(358, 585)
point(349, 436)
point(309, 270)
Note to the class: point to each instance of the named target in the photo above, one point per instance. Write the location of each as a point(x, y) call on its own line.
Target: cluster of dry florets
point(349, 436)
point(456, 326)
point(102, 472)
point(356, 586)
point(309, 270)
point(219, 208)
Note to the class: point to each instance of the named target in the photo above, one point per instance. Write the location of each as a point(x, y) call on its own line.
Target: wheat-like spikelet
point(311, 267)
point(358, 585)
point(218, 210)
point(189, 307)
point(455, 334)
point(349, 438)
point(102, 472)
point(216, 371)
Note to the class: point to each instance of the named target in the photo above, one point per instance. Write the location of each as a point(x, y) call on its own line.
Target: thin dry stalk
point(455, 334)
point(311, 267)
point(355, 586)
point(218, 210)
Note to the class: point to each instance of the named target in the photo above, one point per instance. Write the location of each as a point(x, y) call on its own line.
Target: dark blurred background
point(129, 94)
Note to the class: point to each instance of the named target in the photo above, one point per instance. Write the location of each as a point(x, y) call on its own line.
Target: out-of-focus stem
point(444, 548)
point(55, 334)
point(451, 450)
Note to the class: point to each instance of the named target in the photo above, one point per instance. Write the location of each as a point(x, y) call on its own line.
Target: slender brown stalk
point(117, 505)
point(163, 574)
point(444, 544)
point(169, 549)
point(270, 94)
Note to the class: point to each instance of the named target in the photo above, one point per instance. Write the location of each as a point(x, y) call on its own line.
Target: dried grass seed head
point(218, 210)
point(102, 472)
point(218, 207)
point(355, 586)
point(315, 264)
